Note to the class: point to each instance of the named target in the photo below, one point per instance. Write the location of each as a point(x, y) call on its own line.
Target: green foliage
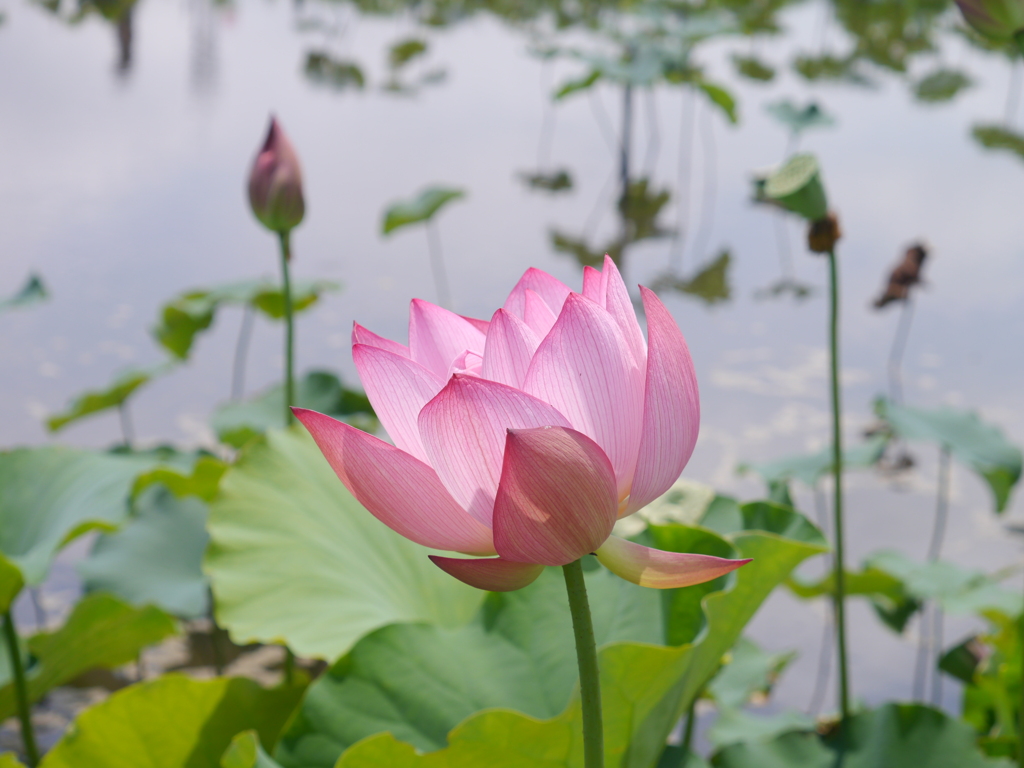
point(95, 401)
point(999, 137)
point(810, 468)
point(202, 481)
point(710, 283)
point(721, 98)
point(753, 68)
point(8, 760)
point(247, 752)
point(798, 120)
point(100, 632)
point(236, 423)
point(294, 558)
point(941, 85)
point(892, 736)
point(404, 51)
point(171, 722)
point(156, 558)
point(555, 181)
point(577, 85)
point(516, 663)
point(828, 67)
point(980, 446)
point(32, 292)
point(323, 69)
point(735, 726)
point(888, 595)
point(51, 495)
point(748, 671)
point(420, 208)
point(192, 312)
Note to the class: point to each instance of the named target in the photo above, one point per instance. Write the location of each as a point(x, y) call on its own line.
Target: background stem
point(241, 353)
point(444, 294)
point(20, 690)
point(586, 655)
point(289, 330)
point(837, 507)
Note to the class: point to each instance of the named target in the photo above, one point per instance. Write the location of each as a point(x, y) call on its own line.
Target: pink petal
point(398, 389)
point(401, 492)
point(550, 289)
point(437, 336)
point(463, 431)
point(480, 325)
point(468, 363)
point(557, 499)
point(538, 314)
point(658, 569)
point(671, 417)
point(495, 574)
point(509, 349)
point(584, 369)
point(594, 285)
point(620, 307)
point(361, 335)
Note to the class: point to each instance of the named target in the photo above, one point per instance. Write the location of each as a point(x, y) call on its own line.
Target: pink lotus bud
point(275, 183)
point(995, 19)
point(526, 436)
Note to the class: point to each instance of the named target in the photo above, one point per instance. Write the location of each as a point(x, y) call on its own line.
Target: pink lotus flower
point(275, 183)
point(527, 436)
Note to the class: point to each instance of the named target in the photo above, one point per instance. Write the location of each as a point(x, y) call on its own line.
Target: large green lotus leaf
point(173, 722)
point(95, 401)
point(50, 495)
point(420, 681)
point(734, 726)
point(981, 446)
point(892, 736)
point(750, 670)
point(646, 688)
point(9, 760)
point(201, 479)
point(293, 557)
point(246, 752)
point(798, 120)
point(239, 422)
point(32, 292)
point(187, 315)
point(887, 594)
point(101, 631)
point(157, 558)
point(809, 468)
point(941, 85)
point(420, 208)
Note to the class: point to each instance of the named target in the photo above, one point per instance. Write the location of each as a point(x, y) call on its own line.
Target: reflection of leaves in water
point(829, 67)
point(400, 88)
point(797, 119)
point(32, 292)
point(420, 208)
point(339, 74)
point(999, 137)
point(710, 283)
point(553, 181)
point(579, 250)
point(941, 85)
point(753, 68)
point(111, 10)
point(783, 287)
point(404, 51)
point(640, 208)
point(889, 32)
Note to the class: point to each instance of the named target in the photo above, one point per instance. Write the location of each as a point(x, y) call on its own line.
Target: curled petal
point(361, 335)
point(463, 432)
point(495, 574)
point(552, 290)
point(584, 369)
point(659, 569)
point(557, 498)
point(437, 336)
point(671, 417)
point(509, 349)
point(398, 388)
point(400, 491)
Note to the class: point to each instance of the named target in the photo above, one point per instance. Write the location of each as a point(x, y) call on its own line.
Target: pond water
point(124, 148)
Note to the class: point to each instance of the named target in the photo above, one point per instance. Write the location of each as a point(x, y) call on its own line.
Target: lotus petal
point(437, 336)
point(552, 290)
point(361, 335)
point(538, 314)
point(509, 349)
point(494, 574)
point(557, 499)
point(659, 569)
point(620, 307)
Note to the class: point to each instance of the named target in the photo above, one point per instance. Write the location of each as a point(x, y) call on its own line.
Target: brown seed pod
point(906, 274)
point(823, 234)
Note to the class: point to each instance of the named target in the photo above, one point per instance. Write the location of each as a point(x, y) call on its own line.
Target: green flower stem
point(837, 470)
point(586, 655)
point(289, 329)
point(20, 690)
point(691, 721)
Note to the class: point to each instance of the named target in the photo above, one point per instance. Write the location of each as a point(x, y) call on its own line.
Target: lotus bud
point(995, 19)
point(275, 183)
point(796, 186)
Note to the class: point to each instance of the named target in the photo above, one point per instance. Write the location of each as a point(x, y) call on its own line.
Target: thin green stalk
point(837, 507)
point(1020, 704)
point(691, 721)
point(20, 690)
point(586, 655)
point(289, 329)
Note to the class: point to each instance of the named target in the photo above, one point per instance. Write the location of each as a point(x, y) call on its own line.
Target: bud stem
point(289, 329)
point(586, 656)
point(28, 736)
